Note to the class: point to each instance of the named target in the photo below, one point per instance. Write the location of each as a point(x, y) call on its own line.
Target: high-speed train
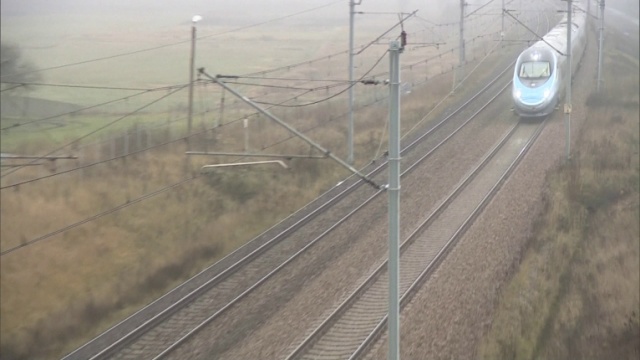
point(540, 74)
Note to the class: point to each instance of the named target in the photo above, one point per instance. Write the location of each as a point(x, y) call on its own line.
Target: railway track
point(187, 310)
point(185, 316)
point(361, 318)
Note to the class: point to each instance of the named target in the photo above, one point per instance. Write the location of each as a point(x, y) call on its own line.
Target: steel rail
point(218, 278)
point(353, 297)
point(205, 322)
point(380, 272)
point(176, 306)
point(323, 327)
point(415, 286)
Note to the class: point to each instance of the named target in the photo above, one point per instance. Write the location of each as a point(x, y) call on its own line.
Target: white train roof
point(557, 37)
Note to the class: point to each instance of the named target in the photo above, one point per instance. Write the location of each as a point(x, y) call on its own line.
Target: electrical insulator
point(403, 39)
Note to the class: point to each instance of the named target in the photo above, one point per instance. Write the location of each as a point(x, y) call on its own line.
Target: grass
point(72, 286)
point(114, 264)
point(60, 293)
point(576, 293)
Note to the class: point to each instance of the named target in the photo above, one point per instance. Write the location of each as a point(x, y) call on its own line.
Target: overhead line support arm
point(218, 81)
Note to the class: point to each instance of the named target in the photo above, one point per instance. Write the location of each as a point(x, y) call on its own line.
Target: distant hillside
point(30, 108)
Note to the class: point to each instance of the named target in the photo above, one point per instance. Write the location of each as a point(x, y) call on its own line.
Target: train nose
point(533, 98)
point(538, 103)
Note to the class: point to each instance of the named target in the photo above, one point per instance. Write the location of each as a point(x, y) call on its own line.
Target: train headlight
point(546, 94)
point(518, 94)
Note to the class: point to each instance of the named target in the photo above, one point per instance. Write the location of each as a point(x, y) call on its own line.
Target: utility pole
point(246, 134)
point(194, 20)
point(221, 114)
point(600, 46)
point(502, 25)
point(461, 58)
point(567, 105)
point(395, 48)
point(352, 5)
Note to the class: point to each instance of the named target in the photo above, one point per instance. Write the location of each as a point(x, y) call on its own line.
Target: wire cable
point(132, 153)
point(271, 86)
point(97, 216)
point(74, 86)
point(147, 196)
point(308, 62)
point(332, 96)
point(142, 198)
point(449, 94)
point(248, 75)
point(363, 48)
point(355, 82)
point(90, 107)
point(290, 79)
point(480, 8)
point(142, 150)
point(295, 65)
point(94, 131)
point(11, 88)
point(169, 45)
point(104, 213)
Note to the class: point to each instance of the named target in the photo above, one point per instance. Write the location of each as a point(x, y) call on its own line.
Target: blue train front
point(536, 82)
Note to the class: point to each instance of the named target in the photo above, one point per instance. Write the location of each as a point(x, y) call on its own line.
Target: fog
point(238, 11)
point(64, 38)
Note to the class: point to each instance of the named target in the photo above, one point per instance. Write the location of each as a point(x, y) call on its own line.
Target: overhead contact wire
point(90, 107)
point(93, 132)
point(332, 96)
point(168, 45)
point(97, 216)
point(112, 210)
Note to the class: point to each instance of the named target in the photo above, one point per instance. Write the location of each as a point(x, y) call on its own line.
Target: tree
point(13, 68)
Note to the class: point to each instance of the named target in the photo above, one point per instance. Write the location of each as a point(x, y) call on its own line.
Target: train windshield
point(535, 70)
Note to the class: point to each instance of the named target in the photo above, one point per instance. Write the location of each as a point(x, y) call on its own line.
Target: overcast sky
point(238, 11)
point(56, 32)
point(151, 7)
point(60, 32)
point(39, 24)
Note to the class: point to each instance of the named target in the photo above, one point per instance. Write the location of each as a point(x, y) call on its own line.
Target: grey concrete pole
point(600, 46)
point(394, 200)
point(221, 114)
point(246, 135)
point(567, 105)
point(458, 74)
point(462, 50)
point(194, 20)
point(502, 25)
point(352, 5)
point(191, 71)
